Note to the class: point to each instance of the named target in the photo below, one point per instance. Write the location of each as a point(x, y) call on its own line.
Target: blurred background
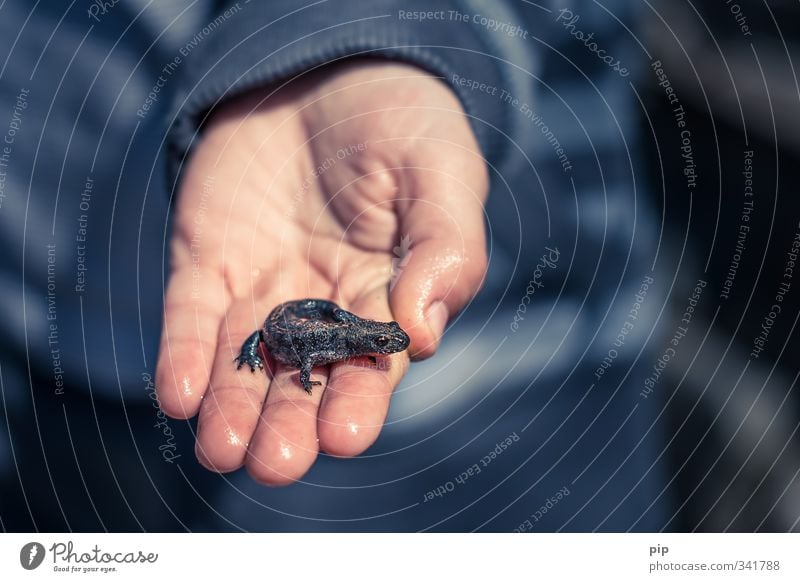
point(504, 430)
point(735, 458)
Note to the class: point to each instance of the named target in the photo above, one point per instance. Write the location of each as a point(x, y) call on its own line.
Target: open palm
point(362, 184)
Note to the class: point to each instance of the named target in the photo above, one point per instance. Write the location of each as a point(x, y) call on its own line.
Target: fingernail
point(437, 316)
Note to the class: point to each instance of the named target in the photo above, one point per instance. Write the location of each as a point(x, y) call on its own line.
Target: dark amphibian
point(309, 332)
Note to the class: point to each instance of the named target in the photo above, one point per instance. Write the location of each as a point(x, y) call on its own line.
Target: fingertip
point(221, 455)
point(181, 382)
point(430, 331)
point(279, 474)
point(227, 421)
point(439, 280)
point(347, 438)
point(285, 446)
point(425, 327)
point(437, 316)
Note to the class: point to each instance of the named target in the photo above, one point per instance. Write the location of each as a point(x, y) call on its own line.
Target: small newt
point(310, 332)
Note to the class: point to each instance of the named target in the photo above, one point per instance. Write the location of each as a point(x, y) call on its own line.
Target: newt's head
point(384, 338)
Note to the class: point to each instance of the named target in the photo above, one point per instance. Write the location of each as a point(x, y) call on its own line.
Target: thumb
point(440, 262)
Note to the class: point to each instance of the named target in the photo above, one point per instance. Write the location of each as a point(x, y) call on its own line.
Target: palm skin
point(305, 192)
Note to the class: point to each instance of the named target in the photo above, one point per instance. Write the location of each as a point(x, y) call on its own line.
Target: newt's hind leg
point(305, 376)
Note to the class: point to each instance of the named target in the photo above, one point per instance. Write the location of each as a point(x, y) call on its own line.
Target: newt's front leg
point(249, 353)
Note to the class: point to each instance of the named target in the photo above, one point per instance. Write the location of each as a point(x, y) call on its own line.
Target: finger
point(356, 400)
point(229, 412)
point(193, 309)
point(285, 443)
point(441, 262)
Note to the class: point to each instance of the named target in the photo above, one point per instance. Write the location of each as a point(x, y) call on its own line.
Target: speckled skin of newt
point(311, 332)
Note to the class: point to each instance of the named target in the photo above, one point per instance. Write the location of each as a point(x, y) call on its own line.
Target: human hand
point(306, 193)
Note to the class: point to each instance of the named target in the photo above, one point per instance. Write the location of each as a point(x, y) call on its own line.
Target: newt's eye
point(381, 340)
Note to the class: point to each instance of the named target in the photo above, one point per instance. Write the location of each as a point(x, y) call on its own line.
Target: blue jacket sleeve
point(253, 43)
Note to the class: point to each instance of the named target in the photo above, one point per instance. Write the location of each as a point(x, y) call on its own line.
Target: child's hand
point(361, 183)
